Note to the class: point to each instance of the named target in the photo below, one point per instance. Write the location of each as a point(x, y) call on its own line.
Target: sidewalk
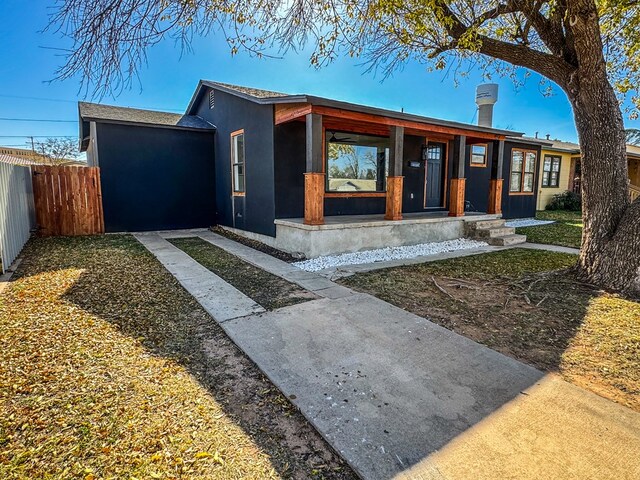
point(400, 397)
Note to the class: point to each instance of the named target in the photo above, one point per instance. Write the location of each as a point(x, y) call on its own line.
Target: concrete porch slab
point(354, 233)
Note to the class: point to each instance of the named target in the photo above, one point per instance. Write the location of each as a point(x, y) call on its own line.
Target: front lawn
point(566, 231)
point(267, 289)
point(525, 304)
point(109, 369)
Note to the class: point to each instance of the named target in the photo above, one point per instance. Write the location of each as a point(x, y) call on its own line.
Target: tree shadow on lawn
point(123, 284)
point(528, 305)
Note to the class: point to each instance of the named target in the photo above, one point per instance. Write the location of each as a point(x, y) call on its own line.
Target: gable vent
point(212, 99)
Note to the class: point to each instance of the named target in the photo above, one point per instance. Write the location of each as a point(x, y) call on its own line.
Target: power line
point(37, 120)
point(38, 98)
point(38, 136)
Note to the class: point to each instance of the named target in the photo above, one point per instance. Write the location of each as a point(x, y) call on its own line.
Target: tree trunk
point(610, 254)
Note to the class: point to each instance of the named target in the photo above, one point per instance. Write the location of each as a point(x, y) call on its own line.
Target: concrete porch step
point(486, 224)
point(507, 240)
point(494, 232)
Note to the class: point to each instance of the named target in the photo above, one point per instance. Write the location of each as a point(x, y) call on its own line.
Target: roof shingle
point(96, 111)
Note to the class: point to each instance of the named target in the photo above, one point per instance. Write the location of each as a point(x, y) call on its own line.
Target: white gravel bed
point(527, 222)
point(388, 253)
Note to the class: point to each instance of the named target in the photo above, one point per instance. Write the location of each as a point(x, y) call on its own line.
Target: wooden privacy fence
point(68, 200)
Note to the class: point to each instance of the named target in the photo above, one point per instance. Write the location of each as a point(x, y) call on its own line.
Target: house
point(305, 173)
point(23, 156)
point(560, 170)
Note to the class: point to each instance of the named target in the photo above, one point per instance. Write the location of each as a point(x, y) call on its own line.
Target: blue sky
point(28, 59)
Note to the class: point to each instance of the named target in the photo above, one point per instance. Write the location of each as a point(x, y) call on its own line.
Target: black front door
point(434, 175)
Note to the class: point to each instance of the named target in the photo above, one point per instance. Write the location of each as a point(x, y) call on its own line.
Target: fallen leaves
point(103, 372)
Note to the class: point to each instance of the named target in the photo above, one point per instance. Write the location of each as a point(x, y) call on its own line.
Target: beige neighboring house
point(29, 157)
point(560, 170)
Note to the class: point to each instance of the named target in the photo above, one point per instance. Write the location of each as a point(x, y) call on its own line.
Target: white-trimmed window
point(523, 171)
point(551, 171)
point(237, 162)
point(479, 155)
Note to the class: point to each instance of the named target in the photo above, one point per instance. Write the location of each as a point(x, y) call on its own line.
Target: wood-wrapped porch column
point(457, 185)
point(314, 177)
point(395, 179)
point(495, 184)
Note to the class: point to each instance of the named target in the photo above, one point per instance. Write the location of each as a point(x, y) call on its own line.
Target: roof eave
point(210, 129)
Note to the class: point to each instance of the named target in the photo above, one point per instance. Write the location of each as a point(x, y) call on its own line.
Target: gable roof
point(266, 97)
point(97, 112)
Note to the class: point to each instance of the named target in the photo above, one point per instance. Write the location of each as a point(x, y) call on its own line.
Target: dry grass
point(109, 369)
point(514, 302)
point(268, 290)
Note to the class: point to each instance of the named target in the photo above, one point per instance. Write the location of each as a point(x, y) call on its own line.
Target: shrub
point(565, 201)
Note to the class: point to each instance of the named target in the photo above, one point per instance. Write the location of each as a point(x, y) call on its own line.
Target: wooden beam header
point(298, 111)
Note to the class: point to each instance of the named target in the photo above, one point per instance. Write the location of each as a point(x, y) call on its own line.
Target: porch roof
point(293, 107)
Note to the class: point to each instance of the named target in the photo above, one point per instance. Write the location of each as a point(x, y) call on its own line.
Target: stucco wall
point(546, 193)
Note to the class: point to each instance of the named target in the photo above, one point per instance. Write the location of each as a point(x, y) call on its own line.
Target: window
point(356, 163)
point(551, 171)
point(237, 162)
point(523, 167)
point(478, 155)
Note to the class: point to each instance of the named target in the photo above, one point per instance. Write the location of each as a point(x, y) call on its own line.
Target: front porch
point(359, 163)
point(353, 233)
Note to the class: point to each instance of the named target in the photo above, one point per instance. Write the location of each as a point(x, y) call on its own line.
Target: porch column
point(457, 185)
point(495, 184)
point(395, 179)
point(314, 176)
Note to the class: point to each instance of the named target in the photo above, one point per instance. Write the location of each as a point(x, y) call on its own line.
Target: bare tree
point(57, 150)
point(589, 48)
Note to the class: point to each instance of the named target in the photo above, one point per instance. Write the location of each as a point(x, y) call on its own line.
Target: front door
point(434, 175)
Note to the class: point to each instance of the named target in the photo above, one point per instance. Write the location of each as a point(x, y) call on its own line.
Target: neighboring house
point(305, 173)
point(29, 157)
point(560, 170)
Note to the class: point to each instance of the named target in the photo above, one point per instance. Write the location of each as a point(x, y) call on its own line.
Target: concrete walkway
point(400, 397)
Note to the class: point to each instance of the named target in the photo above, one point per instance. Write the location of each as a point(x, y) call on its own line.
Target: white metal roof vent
point(212, 99)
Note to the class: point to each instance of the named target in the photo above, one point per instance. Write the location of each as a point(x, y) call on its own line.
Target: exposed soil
point(267, 289)
point(256, 245)
point(110, 369)
point(514, 302)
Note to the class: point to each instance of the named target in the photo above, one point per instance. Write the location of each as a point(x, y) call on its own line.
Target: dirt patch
point(110, 369)
point(267, 289)
point(256, 245)
point(527, 305)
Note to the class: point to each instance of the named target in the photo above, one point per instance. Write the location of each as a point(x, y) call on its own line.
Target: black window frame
point(546, 174)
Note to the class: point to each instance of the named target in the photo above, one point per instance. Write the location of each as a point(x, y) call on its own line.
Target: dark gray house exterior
point(286, 168)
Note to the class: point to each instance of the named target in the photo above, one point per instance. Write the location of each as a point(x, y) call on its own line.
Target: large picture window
point(356, 163)
point(237, 162)
point(523, 168)
point(551, 171)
